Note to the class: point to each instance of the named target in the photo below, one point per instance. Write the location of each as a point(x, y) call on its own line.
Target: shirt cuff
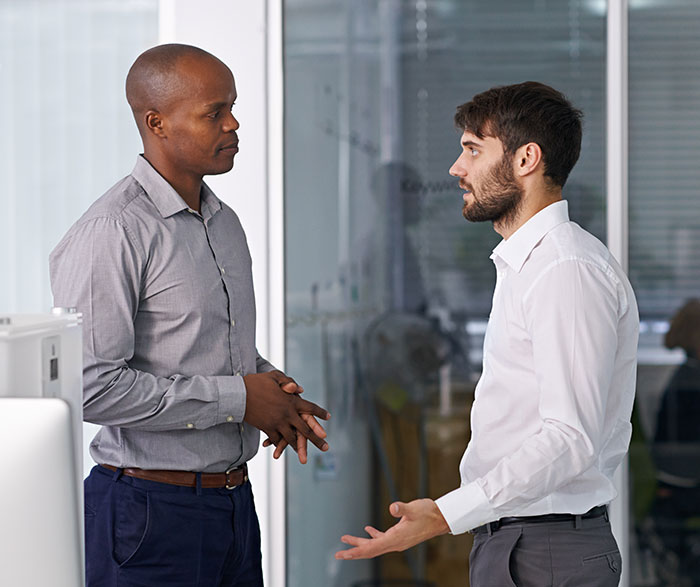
point(465, 508)
point(232, 399)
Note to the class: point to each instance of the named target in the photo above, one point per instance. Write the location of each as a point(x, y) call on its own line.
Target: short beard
point(499, 198)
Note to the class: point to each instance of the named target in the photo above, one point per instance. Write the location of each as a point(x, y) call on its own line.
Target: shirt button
point(229, 419)
point(190, 425)
point(237, 373)
point(233, 322)
point(223, 271)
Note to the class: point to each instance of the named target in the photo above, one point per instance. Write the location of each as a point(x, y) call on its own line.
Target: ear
point(528, 158)
point(154, 123)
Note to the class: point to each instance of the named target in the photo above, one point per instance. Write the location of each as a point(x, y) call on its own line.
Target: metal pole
point(276, 562)
point(617, 214)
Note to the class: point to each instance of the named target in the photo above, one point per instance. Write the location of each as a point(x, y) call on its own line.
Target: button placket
point(222, 273)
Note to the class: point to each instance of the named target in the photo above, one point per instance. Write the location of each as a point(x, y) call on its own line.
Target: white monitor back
point(41, 355)
point(40, 513)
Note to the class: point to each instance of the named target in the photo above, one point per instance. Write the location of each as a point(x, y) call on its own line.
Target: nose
point(458, 168)
point(231, 123)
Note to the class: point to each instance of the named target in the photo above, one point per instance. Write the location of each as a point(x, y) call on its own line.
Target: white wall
point(236, 31)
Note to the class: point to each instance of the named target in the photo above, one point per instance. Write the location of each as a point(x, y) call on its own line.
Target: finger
point(279, 449)
point(345, 554)
point(353, 540)
point(311, 408)
point(302, 448)
point(397, 509)
point(373, 532)
point(283, 380)
point(302, 425)
point(314, 425)
point(304, 429)
point(290, 435)
point(273, 437)
point(291, 387)
point(349, 554)
point(268, 442)
point(275, 374)
point(363, 548)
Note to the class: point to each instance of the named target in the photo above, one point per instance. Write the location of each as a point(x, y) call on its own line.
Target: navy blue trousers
point(145, 534)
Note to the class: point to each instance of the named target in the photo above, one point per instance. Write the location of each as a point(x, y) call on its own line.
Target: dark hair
point(529, 112)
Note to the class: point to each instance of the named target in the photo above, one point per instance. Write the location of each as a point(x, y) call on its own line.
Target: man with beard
point(551, 418)
point(160, 269)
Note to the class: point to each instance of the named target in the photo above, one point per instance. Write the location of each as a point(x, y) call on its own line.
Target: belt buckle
point(227, 472)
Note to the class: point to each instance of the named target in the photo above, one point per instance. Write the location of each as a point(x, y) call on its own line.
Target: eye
point(474, 152)
point(213, 115)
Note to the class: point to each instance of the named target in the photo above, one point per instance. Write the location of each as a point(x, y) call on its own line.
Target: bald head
point(160, 76)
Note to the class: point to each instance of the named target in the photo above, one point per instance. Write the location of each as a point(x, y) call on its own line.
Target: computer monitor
point(40, 517)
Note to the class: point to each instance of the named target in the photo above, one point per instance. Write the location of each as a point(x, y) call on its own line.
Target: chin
point(220, 168)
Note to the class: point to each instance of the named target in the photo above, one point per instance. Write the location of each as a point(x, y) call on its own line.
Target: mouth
point(230, 148)
point(467, 191)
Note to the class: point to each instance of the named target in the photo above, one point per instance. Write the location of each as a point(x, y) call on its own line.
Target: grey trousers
point(553, 554)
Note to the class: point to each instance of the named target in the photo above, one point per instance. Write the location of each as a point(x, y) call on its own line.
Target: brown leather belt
point(230, 479)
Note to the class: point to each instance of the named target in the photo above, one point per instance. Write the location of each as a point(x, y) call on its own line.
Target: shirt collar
point(209, 204)
point(163, 195)
point(515, 250)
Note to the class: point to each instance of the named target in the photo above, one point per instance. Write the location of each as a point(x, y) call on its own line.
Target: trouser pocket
point(489, 563)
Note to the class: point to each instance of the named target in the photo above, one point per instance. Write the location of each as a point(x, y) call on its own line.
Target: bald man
point(160, 269)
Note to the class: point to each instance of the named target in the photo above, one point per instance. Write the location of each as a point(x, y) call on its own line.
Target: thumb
point(291, 387)
point(397, 509)
point(279, 377)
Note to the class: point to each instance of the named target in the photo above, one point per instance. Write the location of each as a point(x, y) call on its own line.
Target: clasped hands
point(273, 406)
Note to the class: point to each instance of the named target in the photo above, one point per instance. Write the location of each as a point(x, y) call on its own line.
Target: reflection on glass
point(666, 465)
point(388, 289)
point(664, 51)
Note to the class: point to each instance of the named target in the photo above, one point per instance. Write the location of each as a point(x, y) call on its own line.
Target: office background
point(355, 226)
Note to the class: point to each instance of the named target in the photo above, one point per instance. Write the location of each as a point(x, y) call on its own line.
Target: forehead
point(204, 80)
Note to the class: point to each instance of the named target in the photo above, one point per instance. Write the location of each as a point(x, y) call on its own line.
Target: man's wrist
point(440, 523)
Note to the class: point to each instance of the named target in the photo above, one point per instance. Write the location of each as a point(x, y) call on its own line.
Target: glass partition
point(387, 287)
point(664, 233)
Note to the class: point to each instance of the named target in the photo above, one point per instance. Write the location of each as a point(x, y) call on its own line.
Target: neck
point(531, 204)
point(187, 185)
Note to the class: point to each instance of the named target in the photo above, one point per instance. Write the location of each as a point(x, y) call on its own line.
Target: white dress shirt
point(551, 417)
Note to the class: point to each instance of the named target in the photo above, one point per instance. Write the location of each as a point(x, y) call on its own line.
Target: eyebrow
point(471, 144)
point(215, 105)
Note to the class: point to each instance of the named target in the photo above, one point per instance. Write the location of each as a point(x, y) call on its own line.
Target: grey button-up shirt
point(168, 325)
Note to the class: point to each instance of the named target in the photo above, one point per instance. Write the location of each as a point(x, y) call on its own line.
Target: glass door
point(387, 288)
point(664, 232)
